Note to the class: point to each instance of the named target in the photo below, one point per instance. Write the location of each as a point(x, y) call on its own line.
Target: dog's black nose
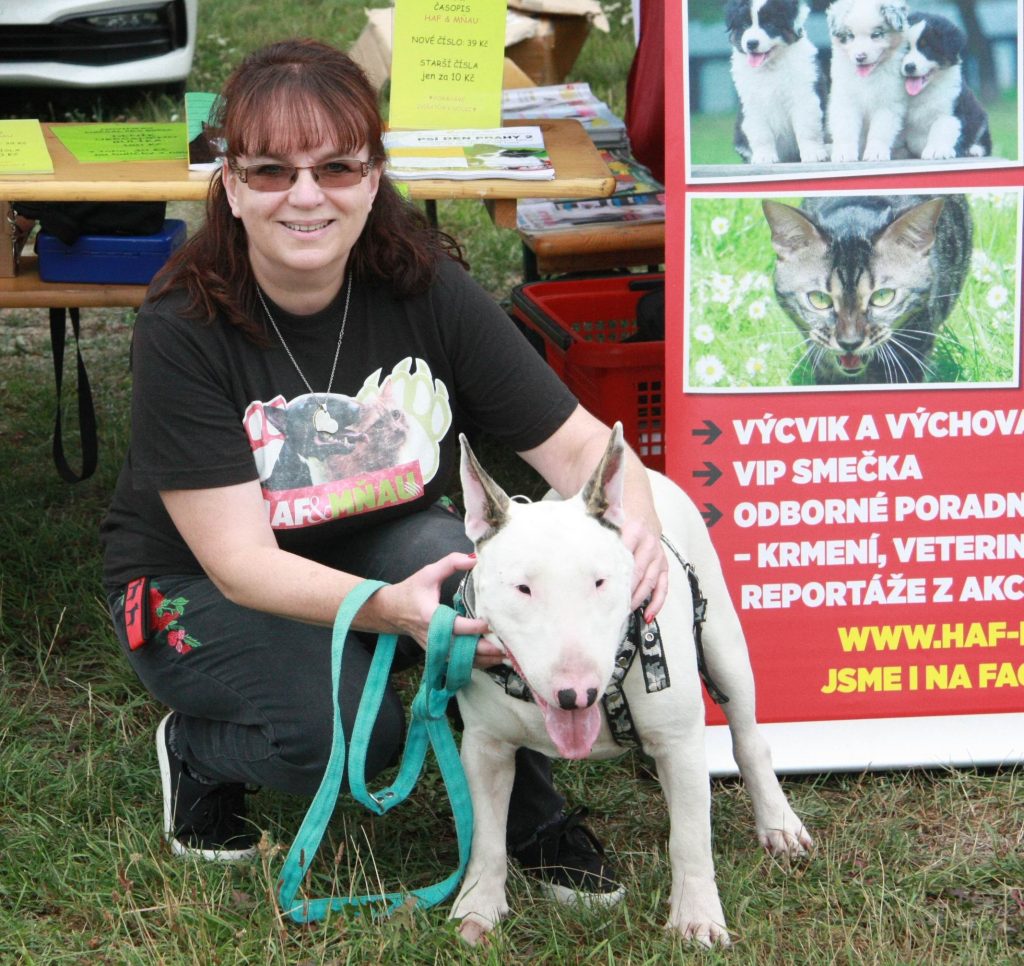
point(567, 698)
point(752, 45)
point(909, 70)
point(861, 58)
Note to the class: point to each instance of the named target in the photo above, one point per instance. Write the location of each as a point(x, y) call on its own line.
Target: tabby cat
point(869, 280)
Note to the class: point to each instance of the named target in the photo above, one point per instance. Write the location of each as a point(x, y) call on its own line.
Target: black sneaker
point(570, 863)
point(202, 820)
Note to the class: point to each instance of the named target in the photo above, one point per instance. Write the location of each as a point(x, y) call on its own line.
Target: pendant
point(323, 421)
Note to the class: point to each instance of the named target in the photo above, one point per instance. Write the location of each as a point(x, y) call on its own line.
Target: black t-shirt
point(211, 408)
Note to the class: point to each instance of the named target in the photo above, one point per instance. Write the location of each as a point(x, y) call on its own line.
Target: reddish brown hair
point(287, 98)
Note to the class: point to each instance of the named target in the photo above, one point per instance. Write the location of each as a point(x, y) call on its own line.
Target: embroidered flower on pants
point(167, 611)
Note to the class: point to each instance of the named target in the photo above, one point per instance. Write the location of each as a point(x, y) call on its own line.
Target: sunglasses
point(274, 176)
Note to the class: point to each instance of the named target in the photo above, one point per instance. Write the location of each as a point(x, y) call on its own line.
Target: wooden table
point(579, 173)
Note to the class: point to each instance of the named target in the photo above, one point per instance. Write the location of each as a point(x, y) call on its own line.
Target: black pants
point(252, 689)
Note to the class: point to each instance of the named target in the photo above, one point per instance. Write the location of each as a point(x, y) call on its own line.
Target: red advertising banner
point(843, 367)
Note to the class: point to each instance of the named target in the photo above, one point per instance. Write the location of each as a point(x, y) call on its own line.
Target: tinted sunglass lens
point(339, 173)
point(270, 177)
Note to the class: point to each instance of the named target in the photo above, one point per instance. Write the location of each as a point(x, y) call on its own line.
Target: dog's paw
point(786, 843)
point(877, 153)
point(764, 157)
point(842, 155)
point(697, 914)
point(814, 153)
point(474, 930)
point(708, 934)
point(937, 152)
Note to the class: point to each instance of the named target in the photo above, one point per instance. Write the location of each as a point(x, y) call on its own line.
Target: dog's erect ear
point(602, 495)
point(895, 15)
point(486, 502)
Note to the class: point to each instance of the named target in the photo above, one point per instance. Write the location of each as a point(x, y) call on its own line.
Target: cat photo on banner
point(853, 291)
point(796, 88)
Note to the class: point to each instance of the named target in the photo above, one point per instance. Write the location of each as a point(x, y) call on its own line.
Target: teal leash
point(449, 662)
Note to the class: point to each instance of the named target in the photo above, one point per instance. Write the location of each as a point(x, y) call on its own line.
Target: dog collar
point(640, 637)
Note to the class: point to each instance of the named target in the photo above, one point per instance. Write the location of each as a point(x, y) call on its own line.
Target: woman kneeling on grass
point(302, 369)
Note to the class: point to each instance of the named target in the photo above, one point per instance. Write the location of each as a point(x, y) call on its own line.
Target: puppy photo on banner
point(784, 89)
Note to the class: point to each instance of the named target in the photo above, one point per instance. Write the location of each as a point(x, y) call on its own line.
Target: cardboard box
point(117, 259)
point(549, 55)
point(372, 49)
point(543, 38)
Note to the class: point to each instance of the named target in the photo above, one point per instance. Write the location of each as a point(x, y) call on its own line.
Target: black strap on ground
point(86, 412)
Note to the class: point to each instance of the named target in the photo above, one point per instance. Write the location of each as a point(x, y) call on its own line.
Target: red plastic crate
point(582, 322)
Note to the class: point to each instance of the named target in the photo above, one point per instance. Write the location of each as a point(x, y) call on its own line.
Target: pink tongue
point(914, 85)
point(573, 732)
point(865, 70)
point(850, 361)
point(756, 60)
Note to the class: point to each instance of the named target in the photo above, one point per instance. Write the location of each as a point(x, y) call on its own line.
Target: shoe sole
point(177, 846)
point(591, 900)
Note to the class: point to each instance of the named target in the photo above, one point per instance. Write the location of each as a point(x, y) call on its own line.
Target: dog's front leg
point(695, 908)
point(942, 138)
point(490, 769)
point(845, 124)
point(810, 138)
point(761, 139)
point(883, 130)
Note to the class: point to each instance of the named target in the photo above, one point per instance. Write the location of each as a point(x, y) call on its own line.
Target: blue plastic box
point(114, 259)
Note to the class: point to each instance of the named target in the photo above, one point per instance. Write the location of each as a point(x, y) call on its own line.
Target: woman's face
point(301, 236)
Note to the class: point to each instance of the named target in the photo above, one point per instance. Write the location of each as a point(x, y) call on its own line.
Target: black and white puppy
point(780, 87)
point(867, 105)
point(944, 118)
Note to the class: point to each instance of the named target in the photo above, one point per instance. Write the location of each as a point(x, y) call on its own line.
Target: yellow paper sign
point(123, 142)
point(446, 65)
point(23, 148)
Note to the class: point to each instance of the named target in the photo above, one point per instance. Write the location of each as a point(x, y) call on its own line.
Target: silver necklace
point(323, 421)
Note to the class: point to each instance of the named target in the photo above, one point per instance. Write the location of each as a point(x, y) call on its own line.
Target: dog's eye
point(877, 34)
point(819, 300)
point(599, 582)
point(882, 297)
point(523, 589)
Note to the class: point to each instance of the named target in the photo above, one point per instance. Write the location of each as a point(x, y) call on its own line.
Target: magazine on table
point(537, 216)
point(513, 152)
point(631, 177)
point(575, 101)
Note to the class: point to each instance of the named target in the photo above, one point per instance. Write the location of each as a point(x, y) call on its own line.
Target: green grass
point(911, 867)
point(711, 135)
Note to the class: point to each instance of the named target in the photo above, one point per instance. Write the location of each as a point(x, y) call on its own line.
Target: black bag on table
point(69, 220)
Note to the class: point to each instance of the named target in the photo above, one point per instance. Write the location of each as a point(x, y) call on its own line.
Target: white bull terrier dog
point(553, 581)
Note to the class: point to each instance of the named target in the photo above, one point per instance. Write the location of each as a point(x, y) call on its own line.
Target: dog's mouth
point(914, 85)
point(865, 70)
point(574, 732)
point(758, 58)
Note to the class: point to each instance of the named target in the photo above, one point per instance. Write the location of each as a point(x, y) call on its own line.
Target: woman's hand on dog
point(650, 568)
point(408, 606)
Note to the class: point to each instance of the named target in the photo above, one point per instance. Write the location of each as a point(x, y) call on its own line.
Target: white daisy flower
point(719, 226)
point(710, 370)
point(997, 297)
point(755, 367)
point(704, 333)
point(721, 287)
point(983, 268)
point(758, 309)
